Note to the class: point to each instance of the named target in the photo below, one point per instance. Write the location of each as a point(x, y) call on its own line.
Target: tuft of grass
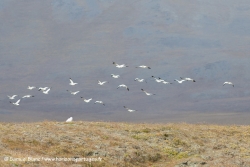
point(171, 152)
point(179, 142)
point(140, 137)
point(146, 130)
point(155, 157)
point(182, 155)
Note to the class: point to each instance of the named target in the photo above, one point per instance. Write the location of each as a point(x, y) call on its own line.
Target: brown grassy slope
point(125, 144)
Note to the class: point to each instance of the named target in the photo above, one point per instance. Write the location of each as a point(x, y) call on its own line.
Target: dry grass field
point(110, 144)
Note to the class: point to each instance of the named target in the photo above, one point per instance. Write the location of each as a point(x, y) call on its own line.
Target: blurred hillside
point(44, 43)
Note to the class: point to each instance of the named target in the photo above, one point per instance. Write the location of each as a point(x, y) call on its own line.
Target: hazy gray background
point(44, 43)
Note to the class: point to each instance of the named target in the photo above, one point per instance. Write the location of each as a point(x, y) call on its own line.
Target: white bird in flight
point(143, 66)
point(69, 119)
point(130, 110)
point(165, 82)
point(119, 66)
point(12, 97)
point(71, 82)
point(73, 93)
point(87, 100)
point(161, 80)
point(99, 102)
point(124, 86)
point(149, 94)
point(42, 89)
point(46, 91)
point(229, 83)
point(16, 103)
point(27, 96)
point(102, 83)
point(31, 87)
point(140, 80)
point(115, 76)
point(180, 80)
point(158, 79)
point(188, 79)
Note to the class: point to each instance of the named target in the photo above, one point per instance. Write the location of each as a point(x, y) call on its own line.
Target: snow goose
point(158, 79)
point(46, 91)
point(115, 76)
point(143, 66)
point(16, 103)
point(130, 110)
point(12, 97)
point(99, 102)
point(70, 119)
point(124, 86)
point(165, 82)
point(180, 80)
point(27, 96)
point(119, 66)
point(229, 83)
point(42, 89)
point(188, 79)
point(102, 83)
point(149, 94)
point(31, 87)
point(73, 93)
point(140, 80)
point(161, 80)
point(71, 82)
point(87, 100)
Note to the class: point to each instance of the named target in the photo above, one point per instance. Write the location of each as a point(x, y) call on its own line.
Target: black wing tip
point(149, 68)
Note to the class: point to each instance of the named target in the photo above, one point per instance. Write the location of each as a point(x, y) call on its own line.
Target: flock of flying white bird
point(46, 90)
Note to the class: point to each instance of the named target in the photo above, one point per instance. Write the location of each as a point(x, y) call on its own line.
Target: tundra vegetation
point(123, 144)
